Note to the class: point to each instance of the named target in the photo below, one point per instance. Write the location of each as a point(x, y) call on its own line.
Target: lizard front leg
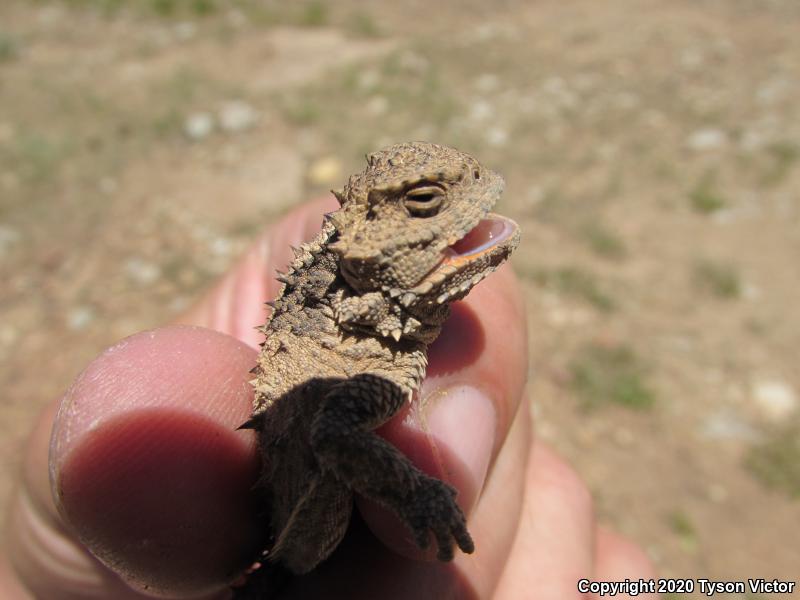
point(344, 443)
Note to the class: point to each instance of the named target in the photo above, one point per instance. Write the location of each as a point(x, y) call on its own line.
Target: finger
point(618, 559)
point(147, 467)
point(554, 546)
point(236, 303)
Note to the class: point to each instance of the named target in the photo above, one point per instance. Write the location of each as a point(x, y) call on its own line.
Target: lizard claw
point(433, 509)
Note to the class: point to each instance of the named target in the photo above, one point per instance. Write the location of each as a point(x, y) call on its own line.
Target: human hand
point(150, 474)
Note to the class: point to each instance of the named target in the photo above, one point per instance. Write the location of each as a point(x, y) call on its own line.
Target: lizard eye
point(424, 200)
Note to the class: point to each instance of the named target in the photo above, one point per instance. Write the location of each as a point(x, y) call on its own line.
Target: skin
point(143, 446)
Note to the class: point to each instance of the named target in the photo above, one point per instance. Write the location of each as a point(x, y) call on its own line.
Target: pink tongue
point(483, 236)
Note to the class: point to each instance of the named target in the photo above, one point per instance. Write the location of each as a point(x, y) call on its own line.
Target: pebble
point(496, 136)
point(80, 317)
point(413, 62)
point(692, 59)
point(108, 185)
point(377, 105)
point(141, 271)
point(535, 194)
point(487, 82)
point(773, 91)
point(775, 398)
point(8, 238)
point(325, 171)
point(753, 140)
point(724, 425)
point(221, 246)
point(481, 110)
point(185, 31)
point(179, 304)
point(237, 116)
point(704, 140)
point(198, 126)
point(368, 80)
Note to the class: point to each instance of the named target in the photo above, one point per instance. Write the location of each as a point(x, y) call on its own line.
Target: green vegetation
point(604, 242)
point(704, 198)
point(603, 375)
point(314, 14)
point(159, 8)
point(720, 279)
point(402, 96)
point(362, 24)
point(302, 111)
point(783, 156)
point(578, 283)
point(8, 47)
point(776, 461)
point(36, 157)
point(681, 525)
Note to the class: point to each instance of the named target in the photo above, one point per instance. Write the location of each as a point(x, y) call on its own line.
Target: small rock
point(179, 304)
point(535, 194)
point(776, 399)
point(198, 126)
point(753, 140)
point(481, 110)
point(237, 116)
point(625, 100)
point(8, 238)
point(141, 271)
point(487, 82)
point(236, 17)
point(377, 105)
point(704, 140)
point(368, 80)
point(692, 59)
point(496, 136)
point(50, 15)
point(220, 246)
point(185, 31)
point(567, 317)
point(725, 425)
point(108, 185)
point(80, 317)
point(325, 171)
point(773, 91)
point(413, 62)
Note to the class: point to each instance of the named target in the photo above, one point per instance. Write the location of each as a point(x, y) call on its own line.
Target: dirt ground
point(652, 158)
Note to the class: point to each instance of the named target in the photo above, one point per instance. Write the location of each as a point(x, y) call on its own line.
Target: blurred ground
point(652, 156)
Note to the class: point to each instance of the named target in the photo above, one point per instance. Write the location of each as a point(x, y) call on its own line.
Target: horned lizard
point(346, 347)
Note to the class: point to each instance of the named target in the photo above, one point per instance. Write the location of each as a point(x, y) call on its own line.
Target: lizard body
point(346, 347)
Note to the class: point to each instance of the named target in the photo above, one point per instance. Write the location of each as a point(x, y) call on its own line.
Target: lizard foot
point(433, 509)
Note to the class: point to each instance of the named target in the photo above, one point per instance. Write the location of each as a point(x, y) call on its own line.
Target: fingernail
point(463, 420)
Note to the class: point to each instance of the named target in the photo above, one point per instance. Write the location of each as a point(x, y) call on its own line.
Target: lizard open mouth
point(492, 231)
point(470, 259)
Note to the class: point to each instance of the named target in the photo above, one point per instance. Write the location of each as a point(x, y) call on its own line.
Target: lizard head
point(415, 224)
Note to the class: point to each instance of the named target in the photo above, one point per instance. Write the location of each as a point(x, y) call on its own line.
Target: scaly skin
point(346, 347)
